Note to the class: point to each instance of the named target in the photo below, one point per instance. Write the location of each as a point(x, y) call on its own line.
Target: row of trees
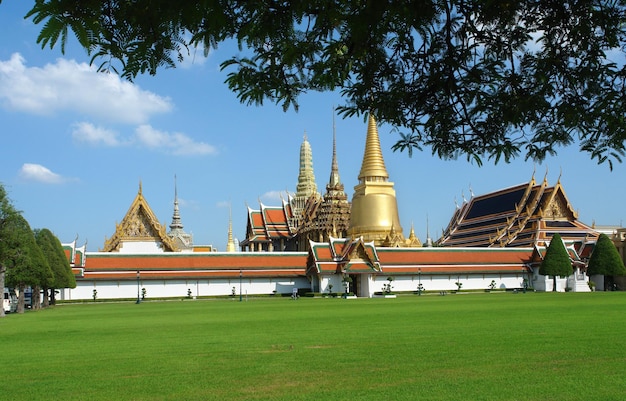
point(30, 258)
point(604, 260)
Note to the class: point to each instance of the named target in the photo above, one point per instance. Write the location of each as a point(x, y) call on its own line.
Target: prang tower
point(374, 214)
point(306, 186)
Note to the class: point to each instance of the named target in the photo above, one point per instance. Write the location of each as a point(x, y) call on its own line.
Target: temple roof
point(525, 215)
point(343, 255)
point(119, 266)
point(268, 222)
point(140, 225)
point(355, 256)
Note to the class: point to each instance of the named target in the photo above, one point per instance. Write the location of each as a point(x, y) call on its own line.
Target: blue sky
point(76, 144)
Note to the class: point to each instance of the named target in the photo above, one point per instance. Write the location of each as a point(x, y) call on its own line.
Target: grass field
point(535, 346)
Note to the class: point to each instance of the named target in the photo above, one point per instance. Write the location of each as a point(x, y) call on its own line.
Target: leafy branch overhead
point(479, 78)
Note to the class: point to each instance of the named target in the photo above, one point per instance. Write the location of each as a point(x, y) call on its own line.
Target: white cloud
point(176, 143)
point(71, 86)
point(39, 173)
point(95, 135)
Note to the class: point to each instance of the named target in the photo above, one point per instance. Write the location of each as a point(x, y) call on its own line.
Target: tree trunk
point(53, 296)
point(35, 299)
point(20, 301)
point(553, 283)
point(2, 271)
point(46, 300)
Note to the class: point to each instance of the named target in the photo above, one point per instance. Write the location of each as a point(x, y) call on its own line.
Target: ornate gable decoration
point(361, 256)
point(139, 224)
point(557, 206)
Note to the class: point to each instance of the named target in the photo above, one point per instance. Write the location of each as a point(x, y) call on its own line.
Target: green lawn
point(498, 346)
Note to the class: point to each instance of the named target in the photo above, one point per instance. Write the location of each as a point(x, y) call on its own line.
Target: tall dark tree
point(27, 265)
point(482, 78)
point(57, 260)
point(8, 219)
point(556, 262)
point(605, 259)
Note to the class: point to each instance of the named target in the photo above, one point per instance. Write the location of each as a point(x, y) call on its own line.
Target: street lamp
point(138, 278)
point(240, 277)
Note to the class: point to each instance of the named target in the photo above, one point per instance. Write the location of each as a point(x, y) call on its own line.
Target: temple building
point(268, 229)
point(328, 244)
point(372, 214)
point(528, 214)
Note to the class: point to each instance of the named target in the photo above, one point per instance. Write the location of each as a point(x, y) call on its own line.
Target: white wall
point(179, 288)
point(447, 283)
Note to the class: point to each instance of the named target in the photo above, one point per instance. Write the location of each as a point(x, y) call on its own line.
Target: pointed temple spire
point(306, 178)
point(429, 241)
point(334, 187)
point(374, 206)
point(230, 245)
point(306, 186)
point(373, 166)
point(183, 240)
point(329, 216)
point(176, 222)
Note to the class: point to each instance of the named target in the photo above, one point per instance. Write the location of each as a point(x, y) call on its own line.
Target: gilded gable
point(139, 224)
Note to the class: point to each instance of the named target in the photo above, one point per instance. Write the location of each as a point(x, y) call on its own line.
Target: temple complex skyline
point(73, 164)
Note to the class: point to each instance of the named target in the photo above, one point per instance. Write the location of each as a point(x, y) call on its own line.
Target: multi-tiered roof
point(524, 215)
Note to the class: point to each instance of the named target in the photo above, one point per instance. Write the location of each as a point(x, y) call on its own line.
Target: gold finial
point(373, 167)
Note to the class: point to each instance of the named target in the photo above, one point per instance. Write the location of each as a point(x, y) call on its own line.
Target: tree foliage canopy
point(481, 78)
point(556, 261)
point(8, 216)
point(59, 265)
point(27, 265)
point(605, 259)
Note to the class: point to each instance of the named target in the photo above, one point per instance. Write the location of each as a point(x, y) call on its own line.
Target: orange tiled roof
point(194, 265)
point(332, 257)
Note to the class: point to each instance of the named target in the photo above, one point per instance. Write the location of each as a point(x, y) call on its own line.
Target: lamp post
point(138, 285)
point(240, 277)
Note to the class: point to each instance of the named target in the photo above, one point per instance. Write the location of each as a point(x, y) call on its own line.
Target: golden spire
point(374, 207)
point(373, 167)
